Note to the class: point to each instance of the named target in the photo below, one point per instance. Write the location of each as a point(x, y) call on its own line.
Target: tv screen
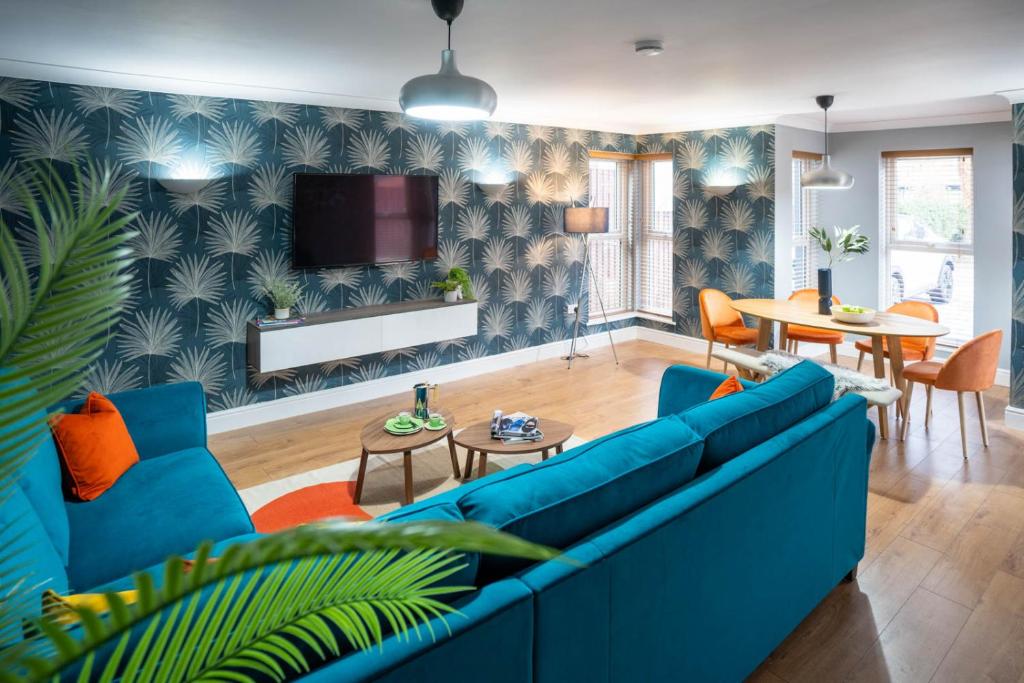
point(345, 220)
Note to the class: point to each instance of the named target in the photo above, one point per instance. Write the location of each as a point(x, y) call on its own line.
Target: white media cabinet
point(349, 332)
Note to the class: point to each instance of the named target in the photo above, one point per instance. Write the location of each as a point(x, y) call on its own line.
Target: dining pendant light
point(825, 177)
point(448, 95)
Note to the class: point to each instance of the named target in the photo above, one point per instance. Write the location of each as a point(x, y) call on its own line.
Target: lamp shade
point(826, 178)
point(448, 95)
point(586, 219)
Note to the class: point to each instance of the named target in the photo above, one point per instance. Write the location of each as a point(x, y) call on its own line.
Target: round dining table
point(891, 327)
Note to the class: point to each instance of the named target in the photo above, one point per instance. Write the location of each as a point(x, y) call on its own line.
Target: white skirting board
point(292, 406)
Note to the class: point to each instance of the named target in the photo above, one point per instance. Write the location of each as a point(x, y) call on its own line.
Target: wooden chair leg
point(711, 345)
point(883, 423)
point(407, 464)
point(455, 458)
point(833, 353)
point(860, 361)
point(363, 457)
point(981, 418)
point(928, 405)
point(725, 363)
point(906, 416)
point(963, 424)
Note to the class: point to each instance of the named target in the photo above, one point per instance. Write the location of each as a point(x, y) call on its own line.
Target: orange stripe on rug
point(321, 501)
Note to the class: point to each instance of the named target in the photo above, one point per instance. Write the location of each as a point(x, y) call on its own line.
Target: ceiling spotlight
point(649, 48)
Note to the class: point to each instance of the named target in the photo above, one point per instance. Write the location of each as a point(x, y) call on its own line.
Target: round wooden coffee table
point(476, 438)
point(376, 440)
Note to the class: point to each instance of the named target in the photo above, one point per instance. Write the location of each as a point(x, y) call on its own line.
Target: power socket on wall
point(570, 310)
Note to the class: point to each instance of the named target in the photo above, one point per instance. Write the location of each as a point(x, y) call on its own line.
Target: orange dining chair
point(971, 368)
point(812, 335)
point(914, 349)
point(720, 322)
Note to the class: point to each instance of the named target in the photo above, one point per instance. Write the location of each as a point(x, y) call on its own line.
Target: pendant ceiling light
point(448, 95)
point(825, 177)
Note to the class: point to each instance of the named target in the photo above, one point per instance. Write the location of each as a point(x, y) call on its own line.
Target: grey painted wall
point(788, 140)
point(859, 153)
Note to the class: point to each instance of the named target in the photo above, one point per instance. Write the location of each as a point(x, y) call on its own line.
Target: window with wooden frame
point(805, 216)
point(928, 252)
point(632, 262)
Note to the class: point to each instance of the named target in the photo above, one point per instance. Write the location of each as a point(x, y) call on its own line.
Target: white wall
point(788, 139)
point(859, 153)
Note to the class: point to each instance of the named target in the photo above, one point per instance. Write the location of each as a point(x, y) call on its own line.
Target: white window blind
point(805, 216)
point(654, 236)
point(928, 212)
point(610, 253)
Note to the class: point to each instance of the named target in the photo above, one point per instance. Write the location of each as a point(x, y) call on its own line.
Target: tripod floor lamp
point(587, 220)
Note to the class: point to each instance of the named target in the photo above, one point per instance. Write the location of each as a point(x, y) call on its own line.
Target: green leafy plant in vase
point(456, 286)
point(348, 585)
point(841, 246)
point(283, 295)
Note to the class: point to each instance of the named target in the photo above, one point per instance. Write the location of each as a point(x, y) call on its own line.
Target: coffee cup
point(403, 419)
point(436, 420)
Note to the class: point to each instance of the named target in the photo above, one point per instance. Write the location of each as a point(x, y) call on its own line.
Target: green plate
point(392, 426)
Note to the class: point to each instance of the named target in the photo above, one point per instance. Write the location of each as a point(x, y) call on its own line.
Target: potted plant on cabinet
point(283, 295)
point(456, 286)
point(840, 247)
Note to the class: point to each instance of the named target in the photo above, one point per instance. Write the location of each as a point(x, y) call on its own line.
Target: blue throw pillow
point(572, 495)
point(446, 511)
point(734, 424)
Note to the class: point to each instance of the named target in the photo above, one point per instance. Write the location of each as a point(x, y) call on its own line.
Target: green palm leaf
point(51, 323)
point(276, 605)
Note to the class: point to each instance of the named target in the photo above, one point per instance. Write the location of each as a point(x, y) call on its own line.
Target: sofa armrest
point(161, 419)
point(684, 386)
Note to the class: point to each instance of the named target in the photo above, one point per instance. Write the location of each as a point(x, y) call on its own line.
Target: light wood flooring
point(941, 588)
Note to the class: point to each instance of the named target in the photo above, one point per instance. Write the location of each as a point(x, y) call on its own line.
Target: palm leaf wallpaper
point(203, 257)
point(1017, 329)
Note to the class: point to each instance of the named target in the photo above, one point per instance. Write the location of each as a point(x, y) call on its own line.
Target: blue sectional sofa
point(703, 536)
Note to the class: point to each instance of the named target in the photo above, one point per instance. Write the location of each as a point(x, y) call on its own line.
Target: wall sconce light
point(719, 190)
point(187, 178)
point(184, 185)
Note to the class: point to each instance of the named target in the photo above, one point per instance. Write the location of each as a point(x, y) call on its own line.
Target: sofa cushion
point(40, 479)
point(35, 561)
point(161, 506)
point(734, 424)
point(444, 511)
point(95, 447)
point(561, 500)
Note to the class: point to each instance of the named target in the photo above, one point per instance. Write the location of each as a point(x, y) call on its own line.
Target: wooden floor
point(941, 588)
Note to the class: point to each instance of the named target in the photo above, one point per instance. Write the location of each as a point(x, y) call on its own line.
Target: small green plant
point(843, 245)
point(462, 277)
point(456, 277)
point(282, 293)
point(445, 285)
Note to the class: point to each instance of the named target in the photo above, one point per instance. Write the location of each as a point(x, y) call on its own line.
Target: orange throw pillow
point(729, 386)
point(95, 447)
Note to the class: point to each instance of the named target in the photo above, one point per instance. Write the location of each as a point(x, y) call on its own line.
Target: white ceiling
point(560, 62)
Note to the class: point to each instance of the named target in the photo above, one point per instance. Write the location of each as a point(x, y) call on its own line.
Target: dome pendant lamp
point(825, 177)
point(448, 95)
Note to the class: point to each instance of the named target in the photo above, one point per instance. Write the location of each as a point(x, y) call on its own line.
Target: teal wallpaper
point(722, 238)
point(1017, 330)
point(203, 257)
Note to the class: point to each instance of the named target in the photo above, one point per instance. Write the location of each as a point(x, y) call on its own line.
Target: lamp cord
point(826, 108)
point(449, 34)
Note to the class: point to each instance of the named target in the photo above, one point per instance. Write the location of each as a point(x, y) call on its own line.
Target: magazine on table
point(515, 427)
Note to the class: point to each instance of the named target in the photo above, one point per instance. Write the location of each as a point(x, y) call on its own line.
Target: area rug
point(328, 491)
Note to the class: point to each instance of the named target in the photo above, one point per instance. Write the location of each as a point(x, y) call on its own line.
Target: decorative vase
point(451, 296)
point(825, 291)
point(459, 291)
point(282, 313)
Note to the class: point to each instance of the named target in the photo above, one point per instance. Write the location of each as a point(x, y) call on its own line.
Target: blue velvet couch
point(703, 536)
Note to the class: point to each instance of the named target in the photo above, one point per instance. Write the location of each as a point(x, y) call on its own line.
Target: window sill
point(625, 315)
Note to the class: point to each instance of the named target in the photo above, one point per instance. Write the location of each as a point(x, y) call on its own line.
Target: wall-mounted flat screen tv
point(345, 219)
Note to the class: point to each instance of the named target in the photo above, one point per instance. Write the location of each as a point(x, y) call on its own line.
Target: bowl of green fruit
point(858, 315)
